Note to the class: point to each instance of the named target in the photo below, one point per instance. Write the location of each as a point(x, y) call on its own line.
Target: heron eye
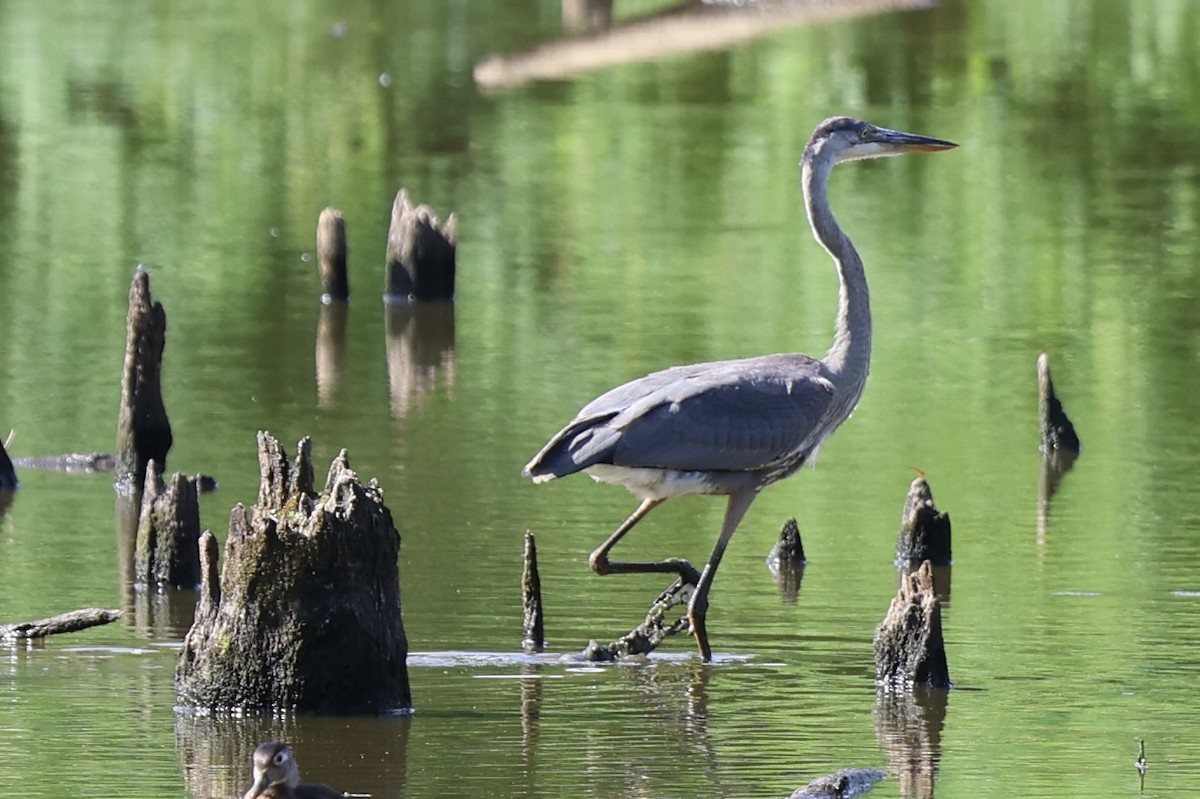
point(865, 134)
point(280, 758)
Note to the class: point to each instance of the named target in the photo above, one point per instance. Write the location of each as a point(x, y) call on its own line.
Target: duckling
point(276, 776)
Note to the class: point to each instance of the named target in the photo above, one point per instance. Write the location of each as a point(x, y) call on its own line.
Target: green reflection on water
point(620, 222)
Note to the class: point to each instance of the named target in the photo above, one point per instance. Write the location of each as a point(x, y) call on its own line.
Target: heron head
point(273, 765)
point(845, 139)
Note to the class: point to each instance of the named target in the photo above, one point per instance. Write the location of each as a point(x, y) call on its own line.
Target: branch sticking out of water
point(70, 622)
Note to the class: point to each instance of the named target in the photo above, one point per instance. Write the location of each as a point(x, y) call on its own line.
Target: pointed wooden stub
point(1058, 434)
point(143, 430)
point(534, 638)
point(909, 649)
point(421, 253)
point(924, 530)
point(331, 255)
point(789, 549)
point(306, 614)
point(168, 534)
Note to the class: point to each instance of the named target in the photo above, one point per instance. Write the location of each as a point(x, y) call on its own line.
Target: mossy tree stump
point(924, 530)
point(143, 430)
point(305, 615)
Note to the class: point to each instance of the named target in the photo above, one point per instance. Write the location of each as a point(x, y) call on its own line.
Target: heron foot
point(700, 632)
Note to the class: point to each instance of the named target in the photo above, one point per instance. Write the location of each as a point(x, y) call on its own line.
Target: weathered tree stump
point(909, 649)
point(924, 530)
point(331, 255)
point(168, 534)
point(305, 615)
point(1058, 434)
point(845, 783)
point(143, 430)
point(786, 560)
point(647, 636)
point(421, 253)
point(70, 622)
point(8, 475)
point(534, 638)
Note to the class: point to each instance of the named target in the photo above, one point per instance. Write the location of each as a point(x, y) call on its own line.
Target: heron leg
point(600, 563)
point(739, 503)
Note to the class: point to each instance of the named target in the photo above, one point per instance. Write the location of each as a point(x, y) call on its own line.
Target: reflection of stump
point(168, 534)
point(331, 255)
point(924, 530)
point(908, 642)
point(331, 350)
point(1058, 434)
point(908, 728)
point(143, 430)
point(306, 613)
point(420, 351)
point(421, 252)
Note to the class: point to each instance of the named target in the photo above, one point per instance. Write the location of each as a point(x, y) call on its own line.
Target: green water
point(617, 222)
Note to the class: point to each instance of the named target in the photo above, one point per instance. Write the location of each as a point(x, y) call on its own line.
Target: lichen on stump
point(305, 615)
point(143, 430)
point(909, 649)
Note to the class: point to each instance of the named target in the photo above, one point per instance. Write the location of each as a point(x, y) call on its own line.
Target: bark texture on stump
point(331, 255)
point(305, 615)
point(421, 252)
point(534, 638)
point(168, 534)
point(909, 649)
point(845, 783)
point(1058, 434)
point(143, 430)
point(924, 530)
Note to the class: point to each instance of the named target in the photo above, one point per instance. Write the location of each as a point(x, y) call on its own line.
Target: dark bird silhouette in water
point(276, 776)
point(734, 427)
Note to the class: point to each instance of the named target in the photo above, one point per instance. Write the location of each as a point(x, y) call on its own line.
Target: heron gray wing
point(738, 415)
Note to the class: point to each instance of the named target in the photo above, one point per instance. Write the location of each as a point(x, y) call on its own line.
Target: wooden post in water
point(168, 534)
point(143, 430)
point(534, 638)
point(332, 255)
point(924, 530)
point(1058, 434)
point(421, 253)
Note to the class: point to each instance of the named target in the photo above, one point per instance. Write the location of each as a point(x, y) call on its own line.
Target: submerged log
point(331, 255)
point(534, 639)
point(305, 615)
point(72, 462)
point(924, 530)
point(143, 430)
point(70, 622)
point(8, 475)
point(845, 783)
point(1058, 434)
point(909, 649)
point(421, 253)
point(168, 534)
point(647, 636)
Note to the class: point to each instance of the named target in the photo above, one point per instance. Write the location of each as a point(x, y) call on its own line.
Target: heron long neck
point(850, 356)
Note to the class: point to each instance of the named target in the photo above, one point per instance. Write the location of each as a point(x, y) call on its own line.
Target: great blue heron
point(734, 427)
point(276, 776)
